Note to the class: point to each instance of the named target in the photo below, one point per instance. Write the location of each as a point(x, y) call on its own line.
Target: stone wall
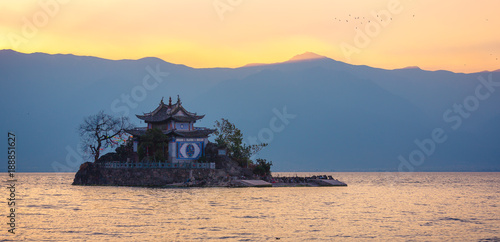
point(92, 174)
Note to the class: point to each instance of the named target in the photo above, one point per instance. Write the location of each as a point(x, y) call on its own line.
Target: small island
point(171, 152)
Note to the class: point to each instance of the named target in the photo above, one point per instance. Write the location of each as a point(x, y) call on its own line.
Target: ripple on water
point(460, 220)
point(492, 239)
point(428, 206)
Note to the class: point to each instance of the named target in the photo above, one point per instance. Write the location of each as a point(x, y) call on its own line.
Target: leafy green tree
point(262, 168)
point(141, 151)
point(232, 138)
point(124, 151)
point(155, 142)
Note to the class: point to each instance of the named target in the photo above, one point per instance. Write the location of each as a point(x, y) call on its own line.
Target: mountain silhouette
point(345, 117)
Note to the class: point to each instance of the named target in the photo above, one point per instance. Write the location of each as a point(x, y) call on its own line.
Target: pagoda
point(186, 143)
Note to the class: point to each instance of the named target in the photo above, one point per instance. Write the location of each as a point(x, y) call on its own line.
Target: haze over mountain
point(307, 56)
point(340, 117)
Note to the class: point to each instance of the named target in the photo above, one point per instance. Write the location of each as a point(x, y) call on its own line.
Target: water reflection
point(416, 206)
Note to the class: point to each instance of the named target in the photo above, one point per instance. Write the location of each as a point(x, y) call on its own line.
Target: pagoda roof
point(168, 111)
point(193, 133)
point(197, 133)
point(137, 131)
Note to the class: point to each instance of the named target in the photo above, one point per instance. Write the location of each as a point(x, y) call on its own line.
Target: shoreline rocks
point(91, 174)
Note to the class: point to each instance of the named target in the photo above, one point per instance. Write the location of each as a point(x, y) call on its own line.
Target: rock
point(96, 174)
point(89, 174)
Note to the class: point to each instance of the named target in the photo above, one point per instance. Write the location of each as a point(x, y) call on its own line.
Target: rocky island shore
point(171, 152)
point(228, 170)
point(229, 175)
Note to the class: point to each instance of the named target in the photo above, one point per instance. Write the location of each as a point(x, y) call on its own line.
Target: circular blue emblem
point(190, 150)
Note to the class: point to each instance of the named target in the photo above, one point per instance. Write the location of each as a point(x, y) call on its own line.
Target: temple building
point(186, 143)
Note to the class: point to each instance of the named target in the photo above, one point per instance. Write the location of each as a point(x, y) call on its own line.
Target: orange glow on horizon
point(444, 35)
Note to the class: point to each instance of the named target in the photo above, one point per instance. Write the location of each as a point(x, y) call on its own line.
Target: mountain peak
point(302, 57)
point(411, 67)
point(306, 56)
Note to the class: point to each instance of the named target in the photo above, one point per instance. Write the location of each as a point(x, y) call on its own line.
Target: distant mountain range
point(307, 56)
point(317, 114)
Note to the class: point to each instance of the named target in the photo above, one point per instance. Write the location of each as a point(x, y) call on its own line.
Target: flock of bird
point(361, 20)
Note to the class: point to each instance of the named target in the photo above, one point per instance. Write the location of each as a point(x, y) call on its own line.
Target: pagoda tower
point(186, 143)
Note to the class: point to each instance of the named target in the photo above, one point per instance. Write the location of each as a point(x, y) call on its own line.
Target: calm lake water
point(374, 206)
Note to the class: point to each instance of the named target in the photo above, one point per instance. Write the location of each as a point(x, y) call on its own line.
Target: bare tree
point(98, 131)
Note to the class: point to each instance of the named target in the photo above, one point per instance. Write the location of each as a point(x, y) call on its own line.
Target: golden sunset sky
point(460, 36)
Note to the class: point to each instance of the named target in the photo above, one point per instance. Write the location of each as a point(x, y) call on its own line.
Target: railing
point(186, 165)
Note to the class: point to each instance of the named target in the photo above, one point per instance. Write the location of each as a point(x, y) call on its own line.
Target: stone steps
point(328, 182)
point(251, 183)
